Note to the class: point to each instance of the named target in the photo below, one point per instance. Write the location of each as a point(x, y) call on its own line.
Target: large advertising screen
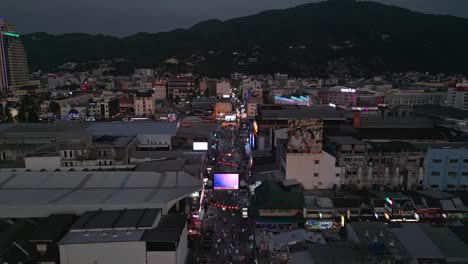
point(226, 181)
point(305, 136)
point(200, 145)
point(230, 118)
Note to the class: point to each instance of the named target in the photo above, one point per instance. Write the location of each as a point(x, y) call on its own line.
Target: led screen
point(230, 118)
point(226, 181)
point(200, 145)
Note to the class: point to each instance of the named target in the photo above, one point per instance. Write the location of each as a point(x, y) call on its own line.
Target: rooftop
point(39, 194)
point(169, 229)
point(271, 195)
point(435, 110)
point(132, 128)
point(400, 133)
point(130, 219)
point(394, 146)
point(120, 141)
point(52, 228)
point(346, 140)
point(288, 112)
point(161, 165)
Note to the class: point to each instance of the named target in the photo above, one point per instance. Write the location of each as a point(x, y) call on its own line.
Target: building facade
point(446, 169)
point(415, 97)
point(377, 164)
point(180, 87)
point(338, 95)
point(144, 104)
point(458, 97)
point(13, 61)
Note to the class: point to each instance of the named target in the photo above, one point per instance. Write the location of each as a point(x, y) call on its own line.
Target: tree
point(54, 108)
point(28, 109)
point(8, 118)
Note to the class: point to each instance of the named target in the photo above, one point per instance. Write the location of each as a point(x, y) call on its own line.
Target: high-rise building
point(13, 60)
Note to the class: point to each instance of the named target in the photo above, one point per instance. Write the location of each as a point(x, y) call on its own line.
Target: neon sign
point(12, 34)
point(348, 90)
point(388, 200)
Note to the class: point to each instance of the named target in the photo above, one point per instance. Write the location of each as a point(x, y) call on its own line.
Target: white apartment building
point(313, 170)
point(458, 97)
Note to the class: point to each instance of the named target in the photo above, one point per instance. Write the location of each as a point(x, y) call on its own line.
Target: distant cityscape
point(164, 165)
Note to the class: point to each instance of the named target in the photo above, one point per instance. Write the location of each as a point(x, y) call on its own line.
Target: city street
point(226, 235)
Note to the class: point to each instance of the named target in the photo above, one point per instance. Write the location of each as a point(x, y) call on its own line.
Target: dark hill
point(371, 36)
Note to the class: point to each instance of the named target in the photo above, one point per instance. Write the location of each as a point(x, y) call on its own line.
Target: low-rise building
point(180, 87)
point(142, 236)
point(275, 207)
point(414, 97)
point(104, 108)
point(458, 96)
point(375, 164)
point(144, 104)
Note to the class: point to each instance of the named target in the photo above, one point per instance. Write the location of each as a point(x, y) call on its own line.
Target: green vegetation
point(369, 38)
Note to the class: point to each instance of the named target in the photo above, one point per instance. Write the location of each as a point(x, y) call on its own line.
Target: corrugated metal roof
point(85, 237)
point(39, 194)
point(133, 128)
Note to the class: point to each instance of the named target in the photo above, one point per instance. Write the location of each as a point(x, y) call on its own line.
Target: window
point(436, 161)
point(453, 160)
point(71, 154)
point(434, 186)
point(65, 154)
point(452, 174)
point(316, 174)
point(465, 161)
point(66, 164)
point(435, 173)
point(317, 161)
point(465, 173)
point(338, 175)
point(451, 186)
point(464, 186)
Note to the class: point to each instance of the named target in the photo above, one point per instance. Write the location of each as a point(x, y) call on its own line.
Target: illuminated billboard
point(200, 145)
point(230, 118)
point(305, 136)
point(226, 181)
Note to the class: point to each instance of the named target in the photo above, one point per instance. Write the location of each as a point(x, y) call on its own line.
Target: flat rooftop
point(346, 140)
point(132, 128)
point(39, 194)
point(130, 219)
point(288, 112)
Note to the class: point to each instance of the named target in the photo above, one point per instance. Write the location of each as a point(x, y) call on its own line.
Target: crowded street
point(226, 233)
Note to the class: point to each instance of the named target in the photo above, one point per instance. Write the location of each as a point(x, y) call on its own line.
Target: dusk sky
point(125, 17)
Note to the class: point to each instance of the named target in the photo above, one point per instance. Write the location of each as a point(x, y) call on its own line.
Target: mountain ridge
point(378, 37)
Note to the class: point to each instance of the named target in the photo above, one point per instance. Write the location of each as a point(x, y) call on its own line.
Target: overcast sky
point(126, 17)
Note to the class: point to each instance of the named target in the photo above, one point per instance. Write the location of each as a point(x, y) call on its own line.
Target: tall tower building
point(13, 60)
